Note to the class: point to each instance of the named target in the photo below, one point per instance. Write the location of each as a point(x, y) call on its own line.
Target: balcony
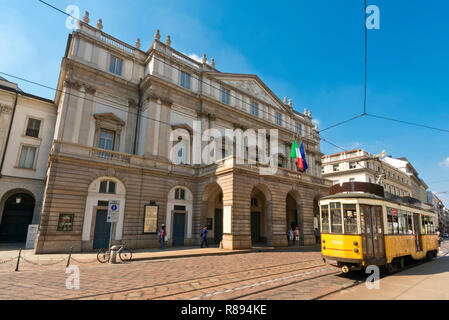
point(102, 156)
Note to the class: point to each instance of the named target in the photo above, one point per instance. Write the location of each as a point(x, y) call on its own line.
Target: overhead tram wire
point(407, 122)
point(289, 124)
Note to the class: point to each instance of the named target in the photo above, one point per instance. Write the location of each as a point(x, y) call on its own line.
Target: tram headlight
point(324, 247)
point(355, 243)
point(324, 240)
point(356, 250)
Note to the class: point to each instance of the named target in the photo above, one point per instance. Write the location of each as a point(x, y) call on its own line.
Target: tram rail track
point(210, 277)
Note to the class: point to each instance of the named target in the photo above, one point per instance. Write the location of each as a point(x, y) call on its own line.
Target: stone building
point(398, 177)
point(26, 131)
point(439, 208)
point(126, 131)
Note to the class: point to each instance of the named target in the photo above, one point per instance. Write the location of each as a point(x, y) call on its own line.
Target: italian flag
point(299, 154)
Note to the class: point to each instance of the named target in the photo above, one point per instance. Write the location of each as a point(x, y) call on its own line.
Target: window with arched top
point(180, 194)
point(107, 186)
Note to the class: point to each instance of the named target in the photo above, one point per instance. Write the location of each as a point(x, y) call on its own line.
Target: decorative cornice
point(109, 117)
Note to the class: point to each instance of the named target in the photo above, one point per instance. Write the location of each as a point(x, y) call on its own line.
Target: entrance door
point(372, 232)
point(102, 231)
point(218, 225)
point(17, 215)
point(378, 232)
point(255, 227)
point(178, 229)
point(417, 233)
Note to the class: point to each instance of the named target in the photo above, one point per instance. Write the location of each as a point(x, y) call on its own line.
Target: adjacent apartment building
point(397, 175)
point(126, 127)
point(440, 211)
point(27, 125)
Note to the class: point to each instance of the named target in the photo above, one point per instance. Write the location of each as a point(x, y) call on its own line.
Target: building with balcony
point(396, 175)
point(27, 125)
point(126, 130)
point(439, 208)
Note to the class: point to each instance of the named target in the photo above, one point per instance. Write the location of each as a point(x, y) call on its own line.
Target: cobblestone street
point(258, 275)
point(273, 275)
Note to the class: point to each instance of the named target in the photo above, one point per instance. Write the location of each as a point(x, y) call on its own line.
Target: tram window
point(336, 225)
point(324, 219)
point(350, 218)
point(392, 219)
point(428, 225)
point(409, 223)
point(402, 222)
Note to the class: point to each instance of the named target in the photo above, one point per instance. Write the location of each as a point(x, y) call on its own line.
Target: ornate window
point(115, 65)
point(108, 128)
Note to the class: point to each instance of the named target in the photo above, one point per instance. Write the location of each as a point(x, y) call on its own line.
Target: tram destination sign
point(113, 210)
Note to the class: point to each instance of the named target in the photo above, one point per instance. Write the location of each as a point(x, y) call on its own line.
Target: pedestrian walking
point(317, 236)
point(204, 237)
point(162, 234)
point(296, 236)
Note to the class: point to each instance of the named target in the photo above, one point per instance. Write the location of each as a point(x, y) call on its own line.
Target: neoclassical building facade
point(127, 133)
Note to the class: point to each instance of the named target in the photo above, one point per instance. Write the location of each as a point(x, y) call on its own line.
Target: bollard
point(18, 260)
point(113, 254)
point(70, 255)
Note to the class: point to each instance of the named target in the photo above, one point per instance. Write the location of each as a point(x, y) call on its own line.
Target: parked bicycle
point(124, 253)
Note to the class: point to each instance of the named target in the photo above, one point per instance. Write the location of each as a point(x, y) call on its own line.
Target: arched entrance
point(260, 228)
point(213, 213)
point(293, 214)
point(179, 216)
point(17, 215)
point(97, 231)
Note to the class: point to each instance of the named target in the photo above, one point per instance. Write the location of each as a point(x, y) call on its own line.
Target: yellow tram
point(360, 227)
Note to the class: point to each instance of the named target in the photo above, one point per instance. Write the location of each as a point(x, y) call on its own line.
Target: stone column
point(269, 217)
point(236, 214)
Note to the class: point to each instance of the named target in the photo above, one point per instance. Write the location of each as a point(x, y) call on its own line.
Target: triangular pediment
point(109, 117)
point(252, 85)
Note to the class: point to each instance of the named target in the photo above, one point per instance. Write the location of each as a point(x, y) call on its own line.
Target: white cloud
point(445, 163)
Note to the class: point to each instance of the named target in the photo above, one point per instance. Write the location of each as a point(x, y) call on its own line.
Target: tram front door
point(373, 246)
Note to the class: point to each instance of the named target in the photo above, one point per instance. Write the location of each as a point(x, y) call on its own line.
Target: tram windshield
point(338, 218)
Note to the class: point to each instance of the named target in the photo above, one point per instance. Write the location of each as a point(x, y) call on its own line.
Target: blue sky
point(309, 51)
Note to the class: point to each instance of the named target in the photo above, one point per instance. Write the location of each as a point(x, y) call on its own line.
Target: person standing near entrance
point(162, 233)
point(296, 236)
point(290, 236)
point(317, 236)
point(204, 237)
